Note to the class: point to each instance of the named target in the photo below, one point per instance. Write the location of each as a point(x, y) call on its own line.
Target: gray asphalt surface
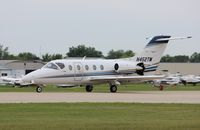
point(131, 97)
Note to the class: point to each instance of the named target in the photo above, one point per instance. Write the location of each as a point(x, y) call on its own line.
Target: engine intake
point(116, 66)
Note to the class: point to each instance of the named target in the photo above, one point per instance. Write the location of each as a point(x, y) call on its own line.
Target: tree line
point(82, 50)
point(194, 58)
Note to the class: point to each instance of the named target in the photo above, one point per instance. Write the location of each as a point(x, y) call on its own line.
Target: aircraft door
point(78, 71)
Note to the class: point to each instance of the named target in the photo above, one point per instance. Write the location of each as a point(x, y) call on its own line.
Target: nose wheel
point(39, 89)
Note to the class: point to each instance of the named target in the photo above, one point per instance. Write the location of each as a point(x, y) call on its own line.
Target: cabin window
point(94, 67)
point(86, 67)
point(101, 67)
point(78, 67)
point(61, 65)
point(51, 66)
point(70, 67)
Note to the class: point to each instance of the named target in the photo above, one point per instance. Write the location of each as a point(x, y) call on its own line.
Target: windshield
point(61, 65)
point(51, 66)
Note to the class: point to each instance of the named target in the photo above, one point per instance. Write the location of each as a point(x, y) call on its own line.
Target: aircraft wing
point(126, 78)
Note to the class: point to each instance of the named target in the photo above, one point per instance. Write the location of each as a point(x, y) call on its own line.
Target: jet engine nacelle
point(129, 67)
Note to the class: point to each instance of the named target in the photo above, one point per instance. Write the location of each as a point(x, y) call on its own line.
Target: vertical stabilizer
point(153, 51)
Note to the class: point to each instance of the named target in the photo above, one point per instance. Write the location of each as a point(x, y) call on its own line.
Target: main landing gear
point(39, 89)
point(88, 88)
point(113, 88)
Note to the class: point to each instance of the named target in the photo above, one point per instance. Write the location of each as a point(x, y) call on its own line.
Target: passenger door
point(78, 71)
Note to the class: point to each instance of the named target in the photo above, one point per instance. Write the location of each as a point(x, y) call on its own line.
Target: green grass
point(97, 116)
point(103, 88)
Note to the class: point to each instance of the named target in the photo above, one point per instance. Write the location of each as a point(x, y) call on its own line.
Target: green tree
point(195, 57)
point(167, 58)
point(10, 57)
point(181, 58)
point(46, 57)
point(128, 53)
point(82, 50)
point(27, 56)
point(56, 56)
point(119, 54)
point(3, 52)
point(178, 58)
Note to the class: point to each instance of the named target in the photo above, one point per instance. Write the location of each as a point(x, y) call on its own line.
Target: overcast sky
point(52, 26)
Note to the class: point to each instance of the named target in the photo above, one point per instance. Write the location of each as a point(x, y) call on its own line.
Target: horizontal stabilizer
point(173, 38)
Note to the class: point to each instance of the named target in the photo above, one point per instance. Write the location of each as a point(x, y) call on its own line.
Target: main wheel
point(184, 82)
point(39, 89)
point(88, 88)
point(113, 88)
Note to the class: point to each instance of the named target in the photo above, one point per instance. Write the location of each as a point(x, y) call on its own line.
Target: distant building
point(183, 68)
point(17, 68)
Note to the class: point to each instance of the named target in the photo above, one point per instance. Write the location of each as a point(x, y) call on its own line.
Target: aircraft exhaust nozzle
point(138, 68)
point(140, 71)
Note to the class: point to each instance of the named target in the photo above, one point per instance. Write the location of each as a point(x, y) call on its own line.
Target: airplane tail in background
point(152, 53)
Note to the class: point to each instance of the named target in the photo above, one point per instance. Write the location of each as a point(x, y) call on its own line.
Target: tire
point(184, 82)
point(113, 88)
point(88, 88)
point(39, 89)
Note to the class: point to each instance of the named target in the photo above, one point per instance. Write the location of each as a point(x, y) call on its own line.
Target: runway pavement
point(131, 97)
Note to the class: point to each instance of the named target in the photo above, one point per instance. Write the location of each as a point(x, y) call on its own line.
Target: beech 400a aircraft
point(99, 71)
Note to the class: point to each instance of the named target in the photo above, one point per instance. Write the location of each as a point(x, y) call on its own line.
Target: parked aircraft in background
point(190, 79)
point(198, 77)
point(13, 81)
point(169, 80)
point(114, 72)
point(176, 79)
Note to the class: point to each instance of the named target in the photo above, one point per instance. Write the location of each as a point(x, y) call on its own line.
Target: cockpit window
point(61, 65)
point(51, 66)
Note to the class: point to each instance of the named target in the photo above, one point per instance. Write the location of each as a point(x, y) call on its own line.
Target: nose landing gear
point(39, 89)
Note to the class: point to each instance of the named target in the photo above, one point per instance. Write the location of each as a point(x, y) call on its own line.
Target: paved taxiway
point(136, 97)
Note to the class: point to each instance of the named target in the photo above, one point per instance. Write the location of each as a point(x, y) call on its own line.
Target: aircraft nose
point(29, 78)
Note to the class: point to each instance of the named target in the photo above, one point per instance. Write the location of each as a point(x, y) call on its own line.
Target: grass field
point(103, 88)
point(97, 116)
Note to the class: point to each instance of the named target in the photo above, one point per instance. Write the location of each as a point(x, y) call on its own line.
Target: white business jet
point(114, 72)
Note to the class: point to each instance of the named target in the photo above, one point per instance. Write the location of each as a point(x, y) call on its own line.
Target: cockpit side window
point(61, 65)
point(51, 66)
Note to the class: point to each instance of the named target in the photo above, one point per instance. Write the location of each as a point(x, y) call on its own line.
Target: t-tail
point(153, 51)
